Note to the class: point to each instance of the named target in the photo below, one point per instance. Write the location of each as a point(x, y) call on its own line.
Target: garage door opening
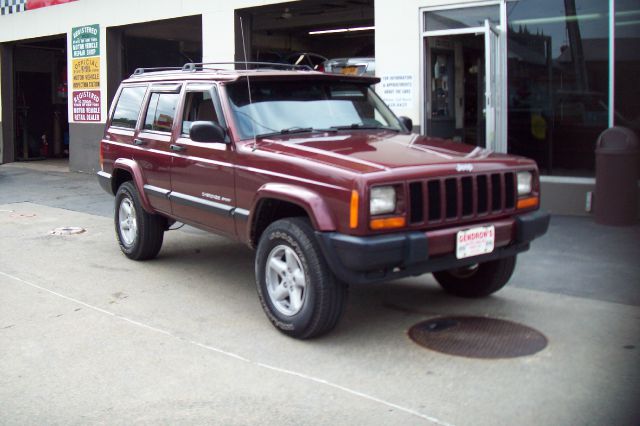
point(165, 43)
point(40, 117)
point(308, 33)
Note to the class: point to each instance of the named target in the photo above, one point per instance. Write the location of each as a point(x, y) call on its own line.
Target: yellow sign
point(86, 73)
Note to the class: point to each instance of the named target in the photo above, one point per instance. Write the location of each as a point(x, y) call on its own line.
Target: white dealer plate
point(475, 241)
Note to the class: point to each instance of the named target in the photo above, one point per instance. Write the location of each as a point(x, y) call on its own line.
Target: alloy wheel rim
point(127, 222)
point(286, 280)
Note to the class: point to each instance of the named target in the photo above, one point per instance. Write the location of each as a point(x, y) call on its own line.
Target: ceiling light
point(341, 30)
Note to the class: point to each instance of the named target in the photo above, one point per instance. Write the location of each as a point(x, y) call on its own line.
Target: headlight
point(525, 180)
point(382, 200)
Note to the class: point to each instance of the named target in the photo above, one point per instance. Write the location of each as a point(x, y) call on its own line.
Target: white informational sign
point(396, 91)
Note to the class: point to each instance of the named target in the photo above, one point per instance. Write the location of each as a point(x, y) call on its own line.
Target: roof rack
point(194, 66)
point(199, 66)
point(140, 71)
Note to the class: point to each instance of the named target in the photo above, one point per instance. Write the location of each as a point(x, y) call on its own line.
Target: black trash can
point(617, 162)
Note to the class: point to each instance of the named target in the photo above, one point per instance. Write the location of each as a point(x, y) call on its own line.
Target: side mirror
point(206, 131)
point(407, 123)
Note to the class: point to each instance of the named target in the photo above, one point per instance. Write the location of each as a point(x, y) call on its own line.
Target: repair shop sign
point(85, 41)
point(86, 105)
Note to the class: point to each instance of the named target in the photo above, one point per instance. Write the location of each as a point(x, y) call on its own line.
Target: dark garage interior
point(39, 102)
point(321, 29)
point(164, 43)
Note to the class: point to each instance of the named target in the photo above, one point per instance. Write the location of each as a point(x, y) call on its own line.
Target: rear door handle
point(177, 148)
point(139, 142)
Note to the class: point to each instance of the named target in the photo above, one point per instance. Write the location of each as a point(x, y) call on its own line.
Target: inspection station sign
point(86, 105)
point(85, 41)
point(86, 73)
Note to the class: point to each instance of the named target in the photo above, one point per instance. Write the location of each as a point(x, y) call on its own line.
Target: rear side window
point(161, 111)
point(128, 107)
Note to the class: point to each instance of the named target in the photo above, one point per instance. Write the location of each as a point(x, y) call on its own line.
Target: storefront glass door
point(463, 80)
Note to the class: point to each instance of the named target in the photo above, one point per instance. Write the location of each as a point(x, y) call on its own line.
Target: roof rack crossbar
point(194, 66)
point(140, 71)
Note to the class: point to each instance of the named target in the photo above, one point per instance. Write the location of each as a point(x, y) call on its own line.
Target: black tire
point(478, 280)
point(322, 299)
point(141, 237)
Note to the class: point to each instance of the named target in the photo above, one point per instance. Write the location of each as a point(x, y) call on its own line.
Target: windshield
point(281, 107)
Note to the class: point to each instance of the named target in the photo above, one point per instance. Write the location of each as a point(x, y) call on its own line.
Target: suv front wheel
point(298, 292)
point(140, 234)
point(478, 280)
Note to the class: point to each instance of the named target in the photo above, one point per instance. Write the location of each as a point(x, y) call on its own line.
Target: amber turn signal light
point(388, 223)
point(353, 214)
point(525, 203)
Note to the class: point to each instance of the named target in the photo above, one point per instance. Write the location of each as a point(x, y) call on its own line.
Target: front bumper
point(380, 258)
point(104, 179)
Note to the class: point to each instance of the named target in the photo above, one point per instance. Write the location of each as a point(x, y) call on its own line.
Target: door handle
point(177, 148)
point(139, 142)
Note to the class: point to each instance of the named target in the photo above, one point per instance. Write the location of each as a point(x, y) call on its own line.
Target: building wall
point(399, 44)
point(217, 43)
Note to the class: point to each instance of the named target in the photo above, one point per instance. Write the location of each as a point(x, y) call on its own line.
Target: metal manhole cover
point(478, 337)
point(68, 230)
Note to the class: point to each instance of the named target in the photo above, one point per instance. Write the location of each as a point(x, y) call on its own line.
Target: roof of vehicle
point(216, 71)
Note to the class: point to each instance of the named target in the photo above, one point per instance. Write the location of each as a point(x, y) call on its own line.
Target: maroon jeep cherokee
point(318, 175)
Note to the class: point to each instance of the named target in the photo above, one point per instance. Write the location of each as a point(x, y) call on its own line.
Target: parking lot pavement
point(88, 336)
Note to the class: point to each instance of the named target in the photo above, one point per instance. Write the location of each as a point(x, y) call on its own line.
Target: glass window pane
point(461, 18)
point(151, 111)
point(161, 111)
point(128, 107)
point(166, 111)
point(558, 82)
point(317, 104)
point(198, 107)
point(627, 57)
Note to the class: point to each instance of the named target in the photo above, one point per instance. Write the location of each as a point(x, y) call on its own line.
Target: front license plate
point(475, 241)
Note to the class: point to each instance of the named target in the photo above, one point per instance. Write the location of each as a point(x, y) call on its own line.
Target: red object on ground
point(44, 148)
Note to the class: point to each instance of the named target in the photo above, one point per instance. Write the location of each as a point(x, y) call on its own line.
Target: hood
point(366, 151)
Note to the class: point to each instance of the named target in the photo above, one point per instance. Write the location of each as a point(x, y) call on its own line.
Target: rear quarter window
point(128, 107)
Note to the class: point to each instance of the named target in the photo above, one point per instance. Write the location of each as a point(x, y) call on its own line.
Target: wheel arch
point(279, 201)
point(128, 170)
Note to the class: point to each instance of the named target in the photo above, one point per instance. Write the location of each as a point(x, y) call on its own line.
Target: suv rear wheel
point(140, 234)
point(298, 292)
point(478, 280)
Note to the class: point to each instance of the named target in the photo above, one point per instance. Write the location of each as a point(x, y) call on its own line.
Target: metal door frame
point(498, 142)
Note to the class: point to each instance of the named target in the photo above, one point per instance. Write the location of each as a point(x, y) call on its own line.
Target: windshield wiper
point(294, 130)
point(361, 126)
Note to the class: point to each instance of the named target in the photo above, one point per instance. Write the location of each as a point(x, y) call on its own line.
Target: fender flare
point(314, 204)
point(133, 168)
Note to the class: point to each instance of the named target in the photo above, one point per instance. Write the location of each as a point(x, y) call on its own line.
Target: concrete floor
point(88, 336)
